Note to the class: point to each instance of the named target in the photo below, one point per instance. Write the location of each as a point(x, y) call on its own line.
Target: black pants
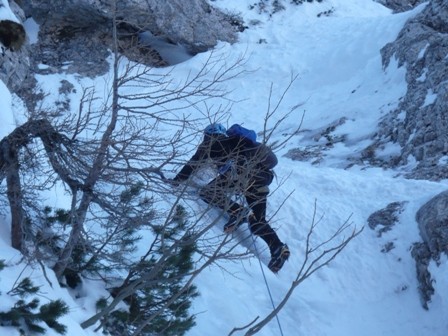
point(220, 190)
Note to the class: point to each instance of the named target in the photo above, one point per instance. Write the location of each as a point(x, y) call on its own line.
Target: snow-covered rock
point(419, 123)
point(14, 62)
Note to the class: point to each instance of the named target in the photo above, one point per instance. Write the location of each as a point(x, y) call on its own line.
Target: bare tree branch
point(327, 251)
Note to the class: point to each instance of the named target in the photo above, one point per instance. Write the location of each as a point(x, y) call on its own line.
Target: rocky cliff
point(75, 36)
point(420, 123)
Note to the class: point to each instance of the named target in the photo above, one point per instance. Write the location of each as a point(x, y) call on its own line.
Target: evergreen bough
point(23, 316)
point(150, 300)
point(27, 316)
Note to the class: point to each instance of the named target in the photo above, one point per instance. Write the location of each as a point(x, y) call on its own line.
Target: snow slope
point(363, 291)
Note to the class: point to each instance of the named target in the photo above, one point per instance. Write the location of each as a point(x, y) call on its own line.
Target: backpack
point(238, 130)
point(267, 157)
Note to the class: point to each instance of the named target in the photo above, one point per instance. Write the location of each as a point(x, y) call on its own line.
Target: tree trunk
point(14, 193)
point(9, 168)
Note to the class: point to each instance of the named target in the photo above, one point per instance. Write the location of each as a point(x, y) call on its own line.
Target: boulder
point(432, 219)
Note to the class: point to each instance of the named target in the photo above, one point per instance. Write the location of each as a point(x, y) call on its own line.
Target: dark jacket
point(246, 155)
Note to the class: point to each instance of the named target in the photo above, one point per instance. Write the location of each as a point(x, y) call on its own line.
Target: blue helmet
point(214, 129)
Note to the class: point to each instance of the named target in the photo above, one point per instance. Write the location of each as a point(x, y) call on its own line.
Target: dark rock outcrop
point(195, 23)
point(383, 220)
point(400, 5)
point(12, 35)
point(432, 219)
point(14, 50)
point(422, 257)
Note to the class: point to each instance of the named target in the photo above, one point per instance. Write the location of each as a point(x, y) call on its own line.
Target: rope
point(267, 285)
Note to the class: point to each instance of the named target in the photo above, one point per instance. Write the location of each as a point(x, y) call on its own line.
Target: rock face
point(14, 51)
point(76, 36)
point(400, 5)
point(14, 68)
point(420, 123)
point(432, 219)
point(194, 24)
